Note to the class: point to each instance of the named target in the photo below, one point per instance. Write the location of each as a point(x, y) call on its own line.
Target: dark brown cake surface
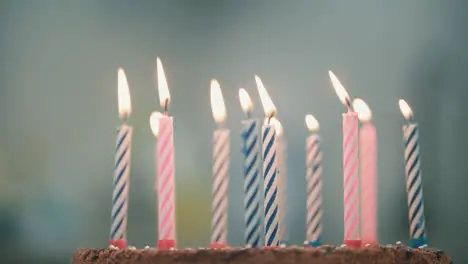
point(290, 255)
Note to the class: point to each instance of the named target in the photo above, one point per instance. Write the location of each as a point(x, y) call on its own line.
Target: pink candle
point(350, 167)
point(166, 169)
point(368, 173)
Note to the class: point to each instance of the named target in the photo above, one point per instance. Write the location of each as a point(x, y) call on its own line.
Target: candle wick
point(269, 119)
point(166, 103)
point(249, 114)
point(124, 118)
point(348, 104)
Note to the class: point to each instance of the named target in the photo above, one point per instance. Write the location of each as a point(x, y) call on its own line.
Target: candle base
point(166, 243)
point(418, 242)
point(218, 245)
point(119, 243)
point(314, 243)
point(271, 247)
point(369, 242)
point(353, 243)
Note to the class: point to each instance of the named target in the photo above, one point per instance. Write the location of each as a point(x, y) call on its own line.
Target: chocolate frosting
point(290, 255)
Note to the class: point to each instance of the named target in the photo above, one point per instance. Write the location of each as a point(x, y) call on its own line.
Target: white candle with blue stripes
point(282, 175)
point(251, 152)
point(270, 169)
point(219, 213)
point(314, 184)
point(414, 185)
point(118, 233)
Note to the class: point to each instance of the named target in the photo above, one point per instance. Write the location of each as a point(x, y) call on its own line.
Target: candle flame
point(217, 102)
point(312, 123)
point(245, 101)
point(154, 122)
point(163, 90)
point(339, 89)
point(276, 123)
point(405, 109)
point(267, 103)
point(123, 94)
point(363, 110)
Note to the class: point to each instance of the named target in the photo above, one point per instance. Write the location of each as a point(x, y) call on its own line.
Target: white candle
point(281, 157)
point(314, 184)
point(414, 184)
point(252, 157)
point(219, 207)
point(270, 169)
point(118, 236)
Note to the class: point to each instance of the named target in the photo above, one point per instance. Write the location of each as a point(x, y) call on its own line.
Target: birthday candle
point(368, 173)
point(414, 186)
point(166, 169)
point(154, 125)
point(314, 184)
point(282, 179)
point(269, 170)
point(219, 208)
point(350, 167)
point(251, 153)
point(118, 234)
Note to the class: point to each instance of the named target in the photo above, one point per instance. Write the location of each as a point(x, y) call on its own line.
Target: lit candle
point(251, 153)
point(269, 170)
point(368, 173)
point(118, 234)
point(219, 206)
point(166, 169)
point(314, 184)
point(350, 167)
point(414, 186)
point(154, 125)
point(282, 178)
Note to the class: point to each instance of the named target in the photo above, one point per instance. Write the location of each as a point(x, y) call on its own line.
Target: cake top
point(395, 254)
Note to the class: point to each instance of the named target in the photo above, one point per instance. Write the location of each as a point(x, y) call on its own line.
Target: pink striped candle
point(166, 170)
point(350, 167)
point(368, 173)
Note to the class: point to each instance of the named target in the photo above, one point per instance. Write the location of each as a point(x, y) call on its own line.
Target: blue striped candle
point(282, 176)
point(121, 184)
point(414, 186)
point(251, 153)
point(270, 186)
point(270, 169)
point(118, 232)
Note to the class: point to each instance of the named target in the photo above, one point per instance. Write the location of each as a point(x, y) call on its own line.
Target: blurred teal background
point(58, 110)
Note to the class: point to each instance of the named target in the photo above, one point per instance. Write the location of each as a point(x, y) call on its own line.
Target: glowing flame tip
point(405, 109)
point(363, 110)
point(217, 102)
point(312, 123)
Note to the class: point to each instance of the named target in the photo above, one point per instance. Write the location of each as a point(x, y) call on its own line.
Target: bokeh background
point(58, 110)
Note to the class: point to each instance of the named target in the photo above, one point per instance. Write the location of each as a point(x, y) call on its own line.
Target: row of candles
point(359, 171)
